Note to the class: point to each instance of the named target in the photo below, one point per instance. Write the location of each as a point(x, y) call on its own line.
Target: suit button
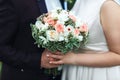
point(22, 70)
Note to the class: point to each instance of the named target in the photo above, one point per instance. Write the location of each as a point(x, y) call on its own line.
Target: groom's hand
point(45, 60)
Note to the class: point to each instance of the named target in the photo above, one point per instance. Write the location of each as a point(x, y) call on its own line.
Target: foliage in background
point(70, 3)
point(0, 66)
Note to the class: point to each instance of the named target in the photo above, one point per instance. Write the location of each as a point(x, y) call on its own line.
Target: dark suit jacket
point(19, 54)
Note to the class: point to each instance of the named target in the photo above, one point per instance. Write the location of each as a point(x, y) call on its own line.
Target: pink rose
point(72, 17)
point(84, 28)
point(51, 22)
point(76, 32)
point(59, 28)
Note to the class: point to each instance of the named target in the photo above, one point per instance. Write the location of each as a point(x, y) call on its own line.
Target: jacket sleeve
point(8, 29)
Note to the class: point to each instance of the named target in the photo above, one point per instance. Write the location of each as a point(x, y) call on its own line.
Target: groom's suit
point(19, 54)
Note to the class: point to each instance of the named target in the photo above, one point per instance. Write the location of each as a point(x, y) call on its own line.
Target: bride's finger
point(55, 56)
point(51, 59)
point(60, 62)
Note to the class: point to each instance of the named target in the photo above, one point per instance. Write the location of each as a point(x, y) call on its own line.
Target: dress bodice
point(89, 11)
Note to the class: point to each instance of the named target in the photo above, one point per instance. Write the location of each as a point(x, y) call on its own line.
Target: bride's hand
point(69, 58)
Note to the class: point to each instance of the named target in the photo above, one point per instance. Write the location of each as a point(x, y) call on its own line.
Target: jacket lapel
point(62, 3)
point(42, 6)
point(29, 9)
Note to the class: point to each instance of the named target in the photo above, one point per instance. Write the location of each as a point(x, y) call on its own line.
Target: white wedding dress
point(89, 11)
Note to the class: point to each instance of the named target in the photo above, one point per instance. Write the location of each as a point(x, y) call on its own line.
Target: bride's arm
point(110, 19)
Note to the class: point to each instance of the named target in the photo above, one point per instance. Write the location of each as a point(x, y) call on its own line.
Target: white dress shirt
point(53, 4)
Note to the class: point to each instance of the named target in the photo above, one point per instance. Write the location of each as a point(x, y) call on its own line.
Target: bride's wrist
point(74, 60)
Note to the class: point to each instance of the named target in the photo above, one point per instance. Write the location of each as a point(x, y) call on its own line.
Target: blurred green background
point(0, 66)
point(0, 69)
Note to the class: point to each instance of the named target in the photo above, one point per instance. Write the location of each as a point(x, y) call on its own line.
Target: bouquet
point(59, 30)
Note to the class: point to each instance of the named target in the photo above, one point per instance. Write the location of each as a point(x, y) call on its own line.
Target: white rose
point(54, 15)
point(72, 13)
point(63, 16)
point(61, 37)
point(80, 38)
point(45, 26)
point(60, 22)
point(52, 35)
point(78, 23)
point(41, 26)
point(38, 24)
